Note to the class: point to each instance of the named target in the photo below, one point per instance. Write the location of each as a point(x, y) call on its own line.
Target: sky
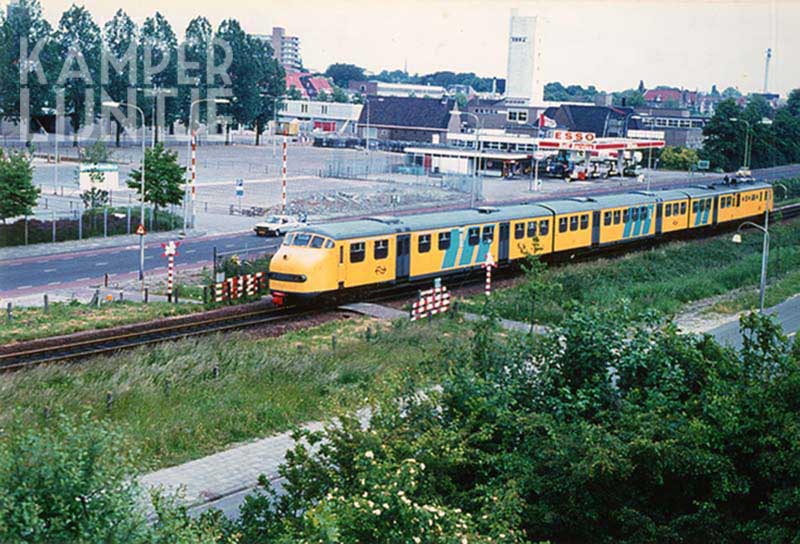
point(610, 44)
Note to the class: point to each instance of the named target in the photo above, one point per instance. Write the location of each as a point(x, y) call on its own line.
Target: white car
point(278, 225)
point(743, 174)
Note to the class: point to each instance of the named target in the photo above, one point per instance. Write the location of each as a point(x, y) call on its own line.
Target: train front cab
point(303, 267)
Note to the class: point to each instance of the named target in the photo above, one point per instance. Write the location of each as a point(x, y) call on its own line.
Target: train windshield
point(288, 239)
point(301, 239)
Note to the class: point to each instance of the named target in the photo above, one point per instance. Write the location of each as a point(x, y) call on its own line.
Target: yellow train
point(351, 257)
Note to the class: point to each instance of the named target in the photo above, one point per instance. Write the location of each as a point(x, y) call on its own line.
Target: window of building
point(531, 229)
point(303, 108)
point(585, 221)
point(544, 227)
point(473, 236)
point(607, 218)
point(444, 241)
point(324, 109)
point(519, 231)
point(562, 224)
point(381, 249)
point(356, 252)
point(573, 223)
point(617, 217)
point(424, 243)
point(488, 233)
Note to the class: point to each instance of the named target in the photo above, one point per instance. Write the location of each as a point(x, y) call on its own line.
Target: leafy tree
point(573, 93)
point(80, 45)
point(342, 74)
point(724, 139)
point(293, 93)
point(158, 64)
point(196, 46)
point(323, 97)
point(535, 287)
point(630, 98)
point(244, 73)
point(76, 482)
point(163, 177)
point(271, 83)
point(24, 21)
point(339, 95)
point(18, 194)
point(678, 158)
point(121, 42)
point(731, 92)
point(95, 155)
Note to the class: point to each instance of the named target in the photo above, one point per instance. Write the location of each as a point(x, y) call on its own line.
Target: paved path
point(787, 313)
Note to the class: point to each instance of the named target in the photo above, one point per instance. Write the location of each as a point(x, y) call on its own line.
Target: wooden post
point(46, 305)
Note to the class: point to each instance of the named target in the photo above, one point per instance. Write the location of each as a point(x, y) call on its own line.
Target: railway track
point(150, 334)
point(113, 340)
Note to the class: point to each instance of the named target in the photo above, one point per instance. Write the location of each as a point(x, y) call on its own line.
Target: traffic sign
point(170, 248)
point(703, 165)
point(240, 187)
point(140, 230)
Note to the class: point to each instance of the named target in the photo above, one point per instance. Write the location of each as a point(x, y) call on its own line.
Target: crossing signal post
point(488, 265)
point(170, 251)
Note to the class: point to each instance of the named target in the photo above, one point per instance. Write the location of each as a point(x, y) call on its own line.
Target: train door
point(341, 272)
point(659, 216)
point(595, 228)
point(503, 243)
point(715, 209)
point(403, 256)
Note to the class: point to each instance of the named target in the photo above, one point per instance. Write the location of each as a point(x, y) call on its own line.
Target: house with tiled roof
point(408, 119)
point(604, 121)
point(310, 86)
point(671, 98)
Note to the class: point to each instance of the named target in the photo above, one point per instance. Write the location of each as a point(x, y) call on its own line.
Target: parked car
point(278, 225)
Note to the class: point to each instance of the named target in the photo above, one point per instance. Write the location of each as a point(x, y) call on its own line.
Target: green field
point(168, 402)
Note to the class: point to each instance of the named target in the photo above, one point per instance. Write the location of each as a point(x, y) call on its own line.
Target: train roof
point(386, 225)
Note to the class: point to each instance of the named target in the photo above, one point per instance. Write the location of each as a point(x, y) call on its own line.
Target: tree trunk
point(119, 133)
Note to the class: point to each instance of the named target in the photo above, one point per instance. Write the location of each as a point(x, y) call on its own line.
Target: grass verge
point(665, 278)
point(168, 402)
point(69, 317)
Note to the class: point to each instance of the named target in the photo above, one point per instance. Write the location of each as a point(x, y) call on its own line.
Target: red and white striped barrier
point(170, 250)
point(431, 302)
point(239, 286)
point(488, 265)
point(283, 180)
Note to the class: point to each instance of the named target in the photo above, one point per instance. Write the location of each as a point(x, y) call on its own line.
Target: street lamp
point(111, 104)
point(746, 140)
point(737, 239)
point(192, 164)
point(477, 150)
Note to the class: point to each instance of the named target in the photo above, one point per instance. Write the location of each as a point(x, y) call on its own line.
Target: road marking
point(54, 283)
point(229, 245)
point(190, 251)
point(24, 286)
point(82, 279)
point(50, 270)
point(101, 264)
point(148, 257)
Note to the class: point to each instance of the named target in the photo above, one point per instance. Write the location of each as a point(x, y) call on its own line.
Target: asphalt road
point(35, 274)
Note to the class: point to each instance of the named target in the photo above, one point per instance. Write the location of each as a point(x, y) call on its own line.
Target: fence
point(247, 285)
point(80, 224)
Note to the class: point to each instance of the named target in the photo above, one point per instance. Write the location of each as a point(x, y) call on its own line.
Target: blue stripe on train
point(626, 232)
point(483, 249)
point(466, 252)
point(637, 225)
point(450, 255)
point(646, 229)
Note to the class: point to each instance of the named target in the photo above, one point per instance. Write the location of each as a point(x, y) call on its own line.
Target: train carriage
point(355, 256)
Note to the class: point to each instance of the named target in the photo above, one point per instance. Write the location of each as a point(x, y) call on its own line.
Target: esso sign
point(577, 137)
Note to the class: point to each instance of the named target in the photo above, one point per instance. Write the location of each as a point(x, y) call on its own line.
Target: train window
point(617, 217)
point(694, 207)
point(444, 241)
point(287, 241)
point(531, 229)
point(643, 213)
point(356, 252)
point(708, 203)
point(607, 218)
point(381, 249)
point(544, 227)
point(474, 235)
point(424, 243)
point(301, 240)
point(488, 233)
point(683, 208)
point(634, 214)
point(573, 223)
point(329, 244)
point(317, 241)
point(626, 216)
point(585, 221)
point(519, 231)
point(667, 210)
